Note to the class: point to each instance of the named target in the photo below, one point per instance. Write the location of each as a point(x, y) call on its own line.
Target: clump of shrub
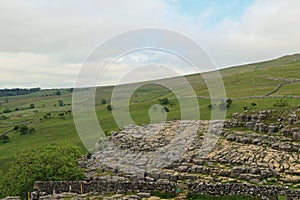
point(60, 102)
point(109, 107)
point(165, 109)
point(3, 117)
point(225, 104)
point(281, 103)
point(24, 129)
point(253, 104)
point(4, 139)
point(103, 101)
point(47, 163)
point(222, 104)
point(61, 115)
point(164, 101)
point(7, 110)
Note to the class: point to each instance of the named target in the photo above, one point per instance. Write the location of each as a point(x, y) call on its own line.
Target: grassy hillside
point(243, 81)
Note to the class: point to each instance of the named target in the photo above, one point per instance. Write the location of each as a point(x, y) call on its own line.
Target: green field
point(242, 81)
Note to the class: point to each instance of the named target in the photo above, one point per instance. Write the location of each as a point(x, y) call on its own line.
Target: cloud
point(29, 70)
point(44, 43)
point(267, 29)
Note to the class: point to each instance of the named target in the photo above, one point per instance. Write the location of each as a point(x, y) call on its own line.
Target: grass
point(248, 80)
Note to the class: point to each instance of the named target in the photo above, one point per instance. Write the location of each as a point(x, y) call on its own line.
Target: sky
point(46, 43)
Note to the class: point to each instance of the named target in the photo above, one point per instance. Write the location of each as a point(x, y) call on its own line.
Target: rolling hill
point(247, 85)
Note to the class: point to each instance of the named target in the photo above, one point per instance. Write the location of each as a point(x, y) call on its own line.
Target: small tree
point(165, 109)
point(60, 102)
point(58, 93)
point(31, 106)
point(31, 130)
point(164, 101)
point(253, 104)
point(209, 107)
point(61, 115)
point(108, 107)
point(23, 129)
point(228, 103)
point(103, 101)
point(6, 110)
point(4, 138)
point(3, 117)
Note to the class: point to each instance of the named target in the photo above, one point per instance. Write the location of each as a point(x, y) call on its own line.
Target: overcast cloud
point(44, 43)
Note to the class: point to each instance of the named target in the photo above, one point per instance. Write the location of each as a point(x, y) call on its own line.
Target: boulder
point(231, 137)
point(237, 170)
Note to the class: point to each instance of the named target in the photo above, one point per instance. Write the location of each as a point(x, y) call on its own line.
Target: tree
point(165, 109)
point(209, 107)
point(31, 106)
point(103, 101)
point(61, 115)
point(164, 101)
point(48, 163)
point(228, 103)
point(23, 129)
point(60, 102)
point(6, 110)
point(108, 107)
point(58, 93)
point(3, 117)
point(4, 139)
point(253, 104)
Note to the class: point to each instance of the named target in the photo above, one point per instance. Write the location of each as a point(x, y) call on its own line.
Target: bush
point(58, 93)
point(6, 110)
point(23, 129)
point(103, 101)
point(31, 130)
point(228, 103)
point(253, 104)
point(109, 107)
point(280, 103)
point(3, 117)
point(164, 101)
point(165, 109)
point(16, 128)
point(4, 138)
point(31, 106)
point(49, 163)
point(209, 107)
point(60, 102)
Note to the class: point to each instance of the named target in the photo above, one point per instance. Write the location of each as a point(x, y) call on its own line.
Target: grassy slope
point(247, 80)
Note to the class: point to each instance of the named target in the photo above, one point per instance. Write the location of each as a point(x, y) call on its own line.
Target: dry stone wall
point(115, 185)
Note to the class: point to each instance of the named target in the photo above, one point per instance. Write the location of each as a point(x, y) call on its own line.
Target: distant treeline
point(17, 91)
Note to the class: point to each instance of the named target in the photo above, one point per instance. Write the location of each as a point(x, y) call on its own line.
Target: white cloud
point(268, 29)
point(44, 43)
